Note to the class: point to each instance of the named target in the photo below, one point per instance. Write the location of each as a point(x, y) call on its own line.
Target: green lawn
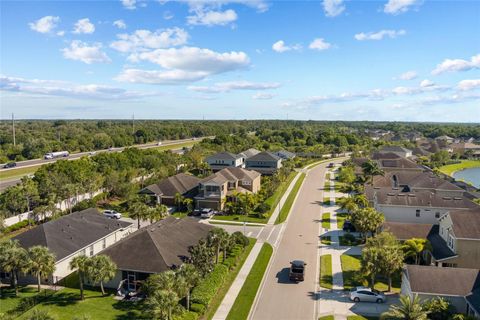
point(291, 197)
point(330, 317)
point(273, 200)
point(232, 274)
point(465, 164)
point(341, 219)
point(352, 276)
point(241, 218)
point(246, 296)
point(326, 201)
point(326, 220)
point(326, 278)
point(326, 240)
point(359, 317)
point(327, 185)
point(17, 173)
point(8, 300)
point(179, 214)
point(177, 145)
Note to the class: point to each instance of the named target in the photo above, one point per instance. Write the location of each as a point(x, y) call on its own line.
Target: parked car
point(10, 165)
point(348, 226)
point(112, 214)
point(331, 165)
point(358, 294)
point(206, 213)
point(297, 270)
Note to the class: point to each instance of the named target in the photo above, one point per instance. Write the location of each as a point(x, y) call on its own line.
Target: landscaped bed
point(326, 278)
point(326, 201)
point(349, 240)
point(341, 216)
point(326, 240)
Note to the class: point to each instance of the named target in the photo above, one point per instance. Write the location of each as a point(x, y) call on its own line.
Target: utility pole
point(13, 129)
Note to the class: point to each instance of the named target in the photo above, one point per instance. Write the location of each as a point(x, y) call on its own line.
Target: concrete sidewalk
point(229, 299)
point(284, 197)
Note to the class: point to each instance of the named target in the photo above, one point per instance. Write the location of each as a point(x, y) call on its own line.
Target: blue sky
point(399, 60)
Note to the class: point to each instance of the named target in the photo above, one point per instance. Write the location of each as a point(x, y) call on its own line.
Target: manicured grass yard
point(327, 318)
point(326, 220)
point(465, 164)
point(327, 185)
point(341, 216)
point(234, 224)
point(326, 278)
point(291, 197)
point(352, 276)
point(246, 296)
point(241, 218)
point(8, 300)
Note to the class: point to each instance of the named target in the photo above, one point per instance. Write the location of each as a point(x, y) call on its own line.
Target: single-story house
point(222, 160)
point(159, 247)
point(164, 192)
point(264, 162)
point(460, 286)
point(85, 232)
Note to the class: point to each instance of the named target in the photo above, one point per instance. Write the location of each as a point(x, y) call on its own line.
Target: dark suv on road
point(297, 270)
point(10, 165)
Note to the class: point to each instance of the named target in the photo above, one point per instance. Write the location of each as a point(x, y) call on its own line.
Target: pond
point(471, 175)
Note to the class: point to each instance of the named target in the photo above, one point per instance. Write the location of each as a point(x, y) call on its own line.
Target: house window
point(437, 215)
point(246, 183)
point(91, 250)
point(104, 243)
point(417, 213)
point(84, 252)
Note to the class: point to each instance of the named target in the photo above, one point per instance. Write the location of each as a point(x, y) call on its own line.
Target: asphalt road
point(74, 156)
point(279, 298)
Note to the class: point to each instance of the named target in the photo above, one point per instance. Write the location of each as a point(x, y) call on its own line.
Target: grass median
point(290, 199)
point(326, 277)
point(246, 296)
point(18, 173)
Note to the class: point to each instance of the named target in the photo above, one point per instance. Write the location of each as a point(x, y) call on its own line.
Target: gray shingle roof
point(68, 234)
point(264, 156)
point(179, 183)
point(466, 223)
point(395, 149)
point(405, 231)
point(249, 153)
point(443, 281)
point(223, 156)
point(158, 247)
point(418, 198)
point(231, 174)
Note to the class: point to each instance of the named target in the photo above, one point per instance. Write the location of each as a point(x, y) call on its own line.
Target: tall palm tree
point(81, 264)
point(41, 262)
point(410, 308)
point(179, 200)
point(101, 269)
point(160, 304)
point(190, 277)
point(415, 247)
point(13, 259)
point(139, 211)
point(360, 200)
point(371, 169)
point(347, 204)
point(157, 213)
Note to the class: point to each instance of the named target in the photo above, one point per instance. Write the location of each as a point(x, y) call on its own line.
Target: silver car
point(367, 294)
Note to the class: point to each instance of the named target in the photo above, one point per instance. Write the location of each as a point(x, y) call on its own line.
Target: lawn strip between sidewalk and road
point(234, 224)
point(326, 277)
point(243, 302)
point(326, 220)
point(290, 199)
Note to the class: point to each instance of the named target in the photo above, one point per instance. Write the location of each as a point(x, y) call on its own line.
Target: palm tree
point(410, 308)
point(179, 200)
point(216, 239)
point(371, 169)
point(188, 204)
point(101, 269)
point(160, 304)
point(139, 211)
point(367, 220)
point(41, 262)
point(360, 200)
point(347, 204)
point(190, 277)
point(81, 264)
point(157, 213)
point(201, 257)
point(13, 259)
point(414, 248)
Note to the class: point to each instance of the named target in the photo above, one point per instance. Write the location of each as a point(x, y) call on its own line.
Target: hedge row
point(205, 291)
point(19, 225)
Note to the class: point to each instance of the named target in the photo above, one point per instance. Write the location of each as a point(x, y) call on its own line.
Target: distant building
point(400, 151)
point(248, 153)
point(265, 162)
point(223, 160)
point(445, 139)
point(164, 192)
point(285, 155)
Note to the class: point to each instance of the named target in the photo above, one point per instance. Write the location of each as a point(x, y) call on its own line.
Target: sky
point(394, 60)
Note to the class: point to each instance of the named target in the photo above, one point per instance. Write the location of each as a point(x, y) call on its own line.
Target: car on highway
point(92, 153)
point(297, 270)
point(159, 143)
point(10, 165)
point(112, 214)
point(206, 213)
point(348, 226)
point(365, 294)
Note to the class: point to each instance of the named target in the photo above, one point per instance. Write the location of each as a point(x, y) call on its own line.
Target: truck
point(297, 270)
point(57, 154)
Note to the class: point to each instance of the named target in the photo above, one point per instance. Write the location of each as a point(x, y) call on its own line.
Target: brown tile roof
point(466, 223)
point(231, 174)
point(68, 234)
point(443, 281)
point(179, 183)
point(158, 247)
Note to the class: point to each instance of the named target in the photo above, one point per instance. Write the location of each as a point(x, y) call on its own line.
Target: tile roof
point(443, 281)
point(231, 174)
point(68, 234)
point(158, 247)
point(466, 223)
point(179, 183)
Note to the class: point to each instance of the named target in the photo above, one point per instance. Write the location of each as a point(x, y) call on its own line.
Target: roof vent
point(457, 198)
point(390, 194)
point(401, 195)
point(447, 198)
point(411, 195)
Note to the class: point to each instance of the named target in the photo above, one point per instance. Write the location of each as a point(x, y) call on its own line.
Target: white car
point(367, 294)
point(159, 143)
point(112, 214)
point(206, 213)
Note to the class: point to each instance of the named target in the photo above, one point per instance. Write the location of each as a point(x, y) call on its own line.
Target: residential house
point(222, 160)
point(215, 189)
point(159, 247)
point(459, 286)
point(248, 153)
point(460, 229)
point(84, 232)
point(400, 151)
point(164, 192)
point(388, 161)
point(285, 155)
point(444, 139)
point(264, 162)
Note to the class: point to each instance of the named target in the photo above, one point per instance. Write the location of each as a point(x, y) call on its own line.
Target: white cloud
point(67, 89)
point(129, 4)
point(120, 24)
point(235, 85)
point(400, 6)
point(211, 18)
point(409, 75)
point(456, 65)
point(450, 99)
point(84, 26)
point(263, 96)
point(333, 7)
point(61, 33)
point(141, 40)
point(160, 76)
point(426, 83)
point(88, 54)
point(280, 46)
point(319, 44)
point(466, 85)
point(167, 15)
point(379, 35)
point(45, 24)
point(259, 5)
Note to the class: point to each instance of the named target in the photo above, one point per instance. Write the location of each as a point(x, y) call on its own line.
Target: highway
point(279, 298)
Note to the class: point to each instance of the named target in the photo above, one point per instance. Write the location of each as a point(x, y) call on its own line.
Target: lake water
point(471, 175)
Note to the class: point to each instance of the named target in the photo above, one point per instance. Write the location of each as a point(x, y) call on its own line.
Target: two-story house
point(164, 191)
point(223, 160)
point(214, 190)
point(264, 162)
point(84, 232)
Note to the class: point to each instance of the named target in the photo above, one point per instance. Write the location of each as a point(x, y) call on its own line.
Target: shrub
point(188, 315)
point(239, 238)
point(263, 207)
point(85, 204)
point(206, 289)
point(198, 308)
point(19, 225)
